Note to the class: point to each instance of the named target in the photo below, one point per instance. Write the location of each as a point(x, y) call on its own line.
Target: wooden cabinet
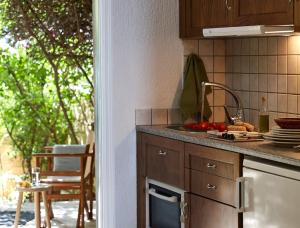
point(207, 175)
point(210, 177)
point(208, 213)
point(198, 14)
point(164, 160)
point(263, 12)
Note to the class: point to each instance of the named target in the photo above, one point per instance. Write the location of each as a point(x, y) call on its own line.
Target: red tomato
point(213, 126)
point(221, 127)
point(204, 125)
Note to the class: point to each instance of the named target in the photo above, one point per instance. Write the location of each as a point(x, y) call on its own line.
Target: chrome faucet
point(239, 116)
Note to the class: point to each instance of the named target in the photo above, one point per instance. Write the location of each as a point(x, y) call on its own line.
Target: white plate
point(281, 130)
point(284, 136)
point(284, 143)
point(272, 138)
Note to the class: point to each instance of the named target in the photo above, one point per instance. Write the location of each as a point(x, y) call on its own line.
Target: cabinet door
point(198, 14)
point(164, 160)
point(208, 213)
point(263, 12)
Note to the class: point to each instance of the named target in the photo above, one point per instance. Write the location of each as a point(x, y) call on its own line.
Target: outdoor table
point(42, 188)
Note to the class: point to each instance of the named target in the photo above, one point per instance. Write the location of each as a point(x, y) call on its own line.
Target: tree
point(59, 31)
point(46, 91)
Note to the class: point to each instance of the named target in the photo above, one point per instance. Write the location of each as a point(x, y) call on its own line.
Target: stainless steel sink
point(182, 128)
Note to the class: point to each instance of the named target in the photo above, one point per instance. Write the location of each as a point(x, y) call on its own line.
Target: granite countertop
point(260, 149)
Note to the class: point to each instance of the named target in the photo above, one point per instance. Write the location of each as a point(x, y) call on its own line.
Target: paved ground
point(65, 214)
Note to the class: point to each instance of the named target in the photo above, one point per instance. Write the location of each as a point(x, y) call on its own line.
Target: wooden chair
point(81, 180)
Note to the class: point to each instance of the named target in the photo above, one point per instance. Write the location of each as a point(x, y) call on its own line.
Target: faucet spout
point(239, 115)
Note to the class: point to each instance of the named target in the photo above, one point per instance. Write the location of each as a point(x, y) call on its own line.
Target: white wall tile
point(282, 83)
point(282, 102)
point(206, 47)
point(292, 103)
point(253, 64)
point(245, 49)
point(282, 45)
point(292, 64)
point(263, 64)
point(282, 64)
point(236, 46)
point(272, 64)
point(253, 96)
point(263, 46)
point(253, 46)
point(219, 97)
point(272, 83)
point(272, 46)
point(219, 64)
point(294, 45)
point(263, 82)
point(190, 46)
point(253, 82)
point(219, 47)
point(159, 116)
point(143, 116)
point(272, 102)
point(292, 84)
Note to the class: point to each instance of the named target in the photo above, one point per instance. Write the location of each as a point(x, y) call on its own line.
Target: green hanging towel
point(194, 75)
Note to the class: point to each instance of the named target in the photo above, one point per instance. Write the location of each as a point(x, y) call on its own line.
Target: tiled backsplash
point(254, 67)
point(158, 116)
point(269, 67)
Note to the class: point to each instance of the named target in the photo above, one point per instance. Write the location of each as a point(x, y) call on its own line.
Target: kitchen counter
point(260, 149)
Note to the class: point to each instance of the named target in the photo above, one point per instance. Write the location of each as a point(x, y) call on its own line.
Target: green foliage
point(46, 89)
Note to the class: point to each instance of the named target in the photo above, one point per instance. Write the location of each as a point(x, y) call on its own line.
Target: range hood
point(256, 30)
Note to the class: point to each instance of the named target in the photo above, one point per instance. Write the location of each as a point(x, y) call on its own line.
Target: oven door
point(164, 206)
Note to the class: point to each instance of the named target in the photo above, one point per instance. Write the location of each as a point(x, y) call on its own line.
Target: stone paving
point(65, 213)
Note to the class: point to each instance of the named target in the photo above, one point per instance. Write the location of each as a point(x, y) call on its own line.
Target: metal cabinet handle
point(240, 194)
point(171, 199)
point(183, 214)
point(211, 187)
point(162, 153)
point(211, 166)
point(227, 5)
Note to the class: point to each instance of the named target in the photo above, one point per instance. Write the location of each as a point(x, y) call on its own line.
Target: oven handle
point(171, 199)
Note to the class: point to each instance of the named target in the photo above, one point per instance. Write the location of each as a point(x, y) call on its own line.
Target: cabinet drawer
point(206, 213)
point(213, 161)
point(213, 187)
point(164, 160)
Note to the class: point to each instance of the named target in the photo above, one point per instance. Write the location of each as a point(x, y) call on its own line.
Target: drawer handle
point(162, 153)
point(171, 199)
point(227, 5)
point(211, 166)
point(211, 187)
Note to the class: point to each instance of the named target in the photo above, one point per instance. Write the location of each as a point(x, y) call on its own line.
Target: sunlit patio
point(65, 213)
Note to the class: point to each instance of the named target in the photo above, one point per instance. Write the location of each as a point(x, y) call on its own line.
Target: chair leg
point(49, 205)
point(90, 214)
point(17, 218)
point(86, 208)
point(78, 217)
point(82, 199)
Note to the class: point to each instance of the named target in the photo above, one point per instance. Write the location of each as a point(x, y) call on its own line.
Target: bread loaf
point(236, 128)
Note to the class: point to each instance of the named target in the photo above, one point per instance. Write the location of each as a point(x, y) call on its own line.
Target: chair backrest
point(67, 164)
point(90, 159)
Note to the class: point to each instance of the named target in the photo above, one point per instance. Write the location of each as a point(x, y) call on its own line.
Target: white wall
point(147, 59)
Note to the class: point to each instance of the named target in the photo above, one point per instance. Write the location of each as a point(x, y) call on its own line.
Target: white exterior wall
point(146, 69)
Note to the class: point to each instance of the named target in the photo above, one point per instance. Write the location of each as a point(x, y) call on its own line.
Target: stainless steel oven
point(165, 205)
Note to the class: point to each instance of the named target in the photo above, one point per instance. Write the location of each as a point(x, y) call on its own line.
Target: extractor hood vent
point(256, 30)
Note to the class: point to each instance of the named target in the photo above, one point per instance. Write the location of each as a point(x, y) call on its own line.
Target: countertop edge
point(189, 138)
